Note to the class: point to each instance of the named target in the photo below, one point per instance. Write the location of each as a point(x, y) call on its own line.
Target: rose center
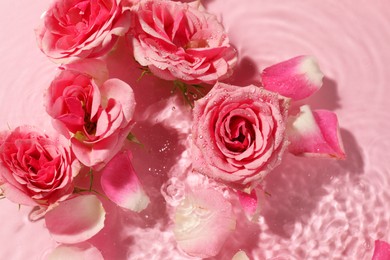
point(201, 43)
point(90, 126)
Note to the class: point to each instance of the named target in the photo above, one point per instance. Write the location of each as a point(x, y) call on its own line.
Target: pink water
point(319, 209)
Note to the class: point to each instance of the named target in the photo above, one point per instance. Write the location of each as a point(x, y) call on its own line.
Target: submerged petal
point(83, 251)
point(76, 220)
point(203, 222)
point(249, 203)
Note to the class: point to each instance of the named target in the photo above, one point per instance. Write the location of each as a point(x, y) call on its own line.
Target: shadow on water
point(298, 185)
point(327, 97)
point(245, 73)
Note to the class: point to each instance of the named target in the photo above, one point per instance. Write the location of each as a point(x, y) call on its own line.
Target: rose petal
point(381, 251)
point(240, 255)
point(15, 195)
point(121, 185)
point(83, 251)
point(76, 219)
point(203, 222)
point(249, 203)
point(296, 78)
point(315, 134)
point(122, 93)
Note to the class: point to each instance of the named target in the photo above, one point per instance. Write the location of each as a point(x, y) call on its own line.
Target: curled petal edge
point(315, 134)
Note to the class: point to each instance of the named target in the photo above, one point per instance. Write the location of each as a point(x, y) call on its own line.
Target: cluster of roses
point(239, 133)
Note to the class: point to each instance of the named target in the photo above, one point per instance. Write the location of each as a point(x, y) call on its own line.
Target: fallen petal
point(121, 185)
point(83, 251)
point(76, 220)
point(381, 251)
point(240, 255)
point(315, 133)
point(297, 78)
point(249, 203)
point(203, 222)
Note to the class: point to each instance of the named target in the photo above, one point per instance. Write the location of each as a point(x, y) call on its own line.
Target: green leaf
point(145, 71)
point(132, 138)
point(190, 93)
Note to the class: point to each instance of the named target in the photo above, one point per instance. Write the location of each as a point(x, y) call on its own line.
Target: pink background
point(319, 209)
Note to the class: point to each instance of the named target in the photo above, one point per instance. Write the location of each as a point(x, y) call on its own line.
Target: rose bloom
point(94, 112)
point(75, 29)
point(239, 134)
point(180, 41)
point(34, 169)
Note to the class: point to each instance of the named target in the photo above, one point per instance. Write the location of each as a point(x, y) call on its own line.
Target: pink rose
point(93, 111)
point(239, 134)
point(179, 41)
point(78, 29)
point(34, 169)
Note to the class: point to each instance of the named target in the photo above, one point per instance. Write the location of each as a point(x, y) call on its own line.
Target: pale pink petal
point(297, 78)
point(99, 153)
point(381, 251)
point(203, 222)
point(315, 134)
point(121, 185)
point(122, 93)
point(15, 195)
point(76, 219)
point(240, 255)
point(249, 203)
point(82, 251)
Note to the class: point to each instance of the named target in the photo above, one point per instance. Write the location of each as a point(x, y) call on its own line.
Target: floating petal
point(121, 185)
point(381, 251)
point(315, 133)
point(297, 78)
point(76, 220)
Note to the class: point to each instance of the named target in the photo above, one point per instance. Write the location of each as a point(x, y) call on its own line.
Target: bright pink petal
point(381, 251)
point(249, 203)
point(76, 219)
point(203, 222)
point(297, 78)
point(121, 185)
point(83, 251)
point(315, 134)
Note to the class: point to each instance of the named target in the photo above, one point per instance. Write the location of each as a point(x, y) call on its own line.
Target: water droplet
point(200, 136)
